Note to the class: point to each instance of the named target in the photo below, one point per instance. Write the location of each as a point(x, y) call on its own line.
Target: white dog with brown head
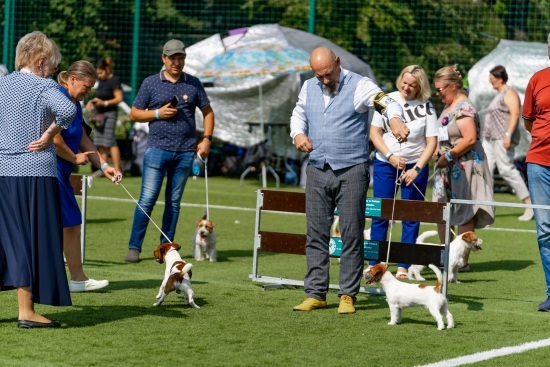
point(204, 240)
point(400, 295)
point(177, 276)
point(467, 241)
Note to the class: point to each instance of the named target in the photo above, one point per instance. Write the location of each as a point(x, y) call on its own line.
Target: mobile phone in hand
point(174, 102)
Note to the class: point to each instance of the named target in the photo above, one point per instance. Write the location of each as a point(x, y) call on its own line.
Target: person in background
point(464, 172)
point(172, 142)
point(107, 97)
point(405, 162)
point(76, 83)
point(536, 116)
point(330, 122)
point(32, 112)
point(500, 129)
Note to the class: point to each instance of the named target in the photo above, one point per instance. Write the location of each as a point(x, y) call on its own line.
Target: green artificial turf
point(239, 324)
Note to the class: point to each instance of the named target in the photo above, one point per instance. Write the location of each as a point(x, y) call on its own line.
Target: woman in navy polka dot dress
point(32, 112)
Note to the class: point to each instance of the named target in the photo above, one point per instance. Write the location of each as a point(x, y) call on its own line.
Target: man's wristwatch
point(209, 137)
point(417, 169)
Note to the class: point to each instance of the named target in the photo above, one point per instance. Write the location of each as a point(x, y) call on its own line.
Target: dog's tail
point(184, 270)
point(424, 235)
point(439, 276)
point(187, 268)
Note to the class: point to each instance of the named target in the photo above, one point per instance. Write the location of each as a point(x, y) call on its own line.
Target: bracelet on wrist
point(388, 155)
point(157, 114)
point(449, 157)
point(104, 165)
point(508, 134)
point(105, 103)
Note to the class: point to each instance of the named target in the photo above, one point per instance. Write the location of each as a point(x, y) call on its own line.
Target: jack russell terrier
point(204, 241)
point(177, 276)
point(400, 295)
point(457, 250)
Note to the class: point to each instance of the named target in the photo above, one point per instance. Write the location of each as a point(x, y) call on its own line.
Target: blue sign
point(374, 207)
point(371, 249)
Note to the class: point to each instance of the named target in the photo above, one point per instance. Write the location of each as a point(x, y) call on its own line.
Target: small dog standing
point(457, 249)
point(204, 240)
point(177, 276)
point(400, 295)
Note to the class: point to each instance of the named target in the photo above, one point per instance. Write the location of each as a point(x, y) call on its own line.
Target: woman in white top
point(407, 161)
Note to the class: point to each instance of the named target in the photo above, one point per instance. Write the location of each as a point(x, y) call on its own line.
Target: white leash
point(143, 210)
point(204, 161)
point(397, 178)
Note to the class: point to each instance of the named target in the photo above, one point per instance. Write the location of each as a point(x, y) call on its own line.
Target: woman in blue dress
point(75, 148)
point(32, 112)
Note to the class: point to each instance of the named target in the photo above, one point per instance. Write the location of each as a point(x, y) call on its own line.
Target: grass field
point(494, 306)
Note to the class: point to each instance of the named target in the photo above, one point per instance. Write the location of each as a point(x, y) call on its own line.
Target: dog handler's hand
point(302, 143)
point(409, 176)
point(399, 129)
point(203, 148)
point(112, 174)
point(441, 162)
point(397, 161)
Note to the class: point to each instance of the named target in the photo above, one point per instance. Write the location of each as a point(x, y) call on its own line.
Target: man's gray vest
point(339, 134)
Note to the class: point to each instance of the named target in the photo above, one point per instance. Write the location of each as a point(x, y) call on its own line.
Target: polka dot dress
point(28, 106)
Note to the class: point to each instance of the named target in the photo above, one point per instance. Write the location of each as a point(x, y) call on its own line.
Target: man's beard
point(331, 88)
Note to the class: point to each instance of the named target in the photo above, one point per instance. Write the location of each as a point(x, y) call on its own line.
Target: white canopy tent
point(236, 105)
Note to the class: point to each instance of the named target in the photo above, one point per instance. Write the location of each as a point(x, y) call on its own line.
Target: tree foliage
point(387, 34)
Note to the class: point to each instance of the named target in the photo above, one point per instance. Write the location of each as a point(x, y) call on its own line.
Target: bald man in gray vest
point(330, 122)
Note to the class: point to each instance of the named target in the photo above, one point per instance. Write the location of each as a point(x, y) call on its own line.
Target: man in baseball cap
point(173, 47)
point(172, 142)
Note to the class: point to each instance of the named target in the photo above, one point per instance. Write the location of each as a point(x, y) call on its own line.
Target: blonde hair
point(451, 75)
point(424, 91)
point(35, 46)
point(81, 69)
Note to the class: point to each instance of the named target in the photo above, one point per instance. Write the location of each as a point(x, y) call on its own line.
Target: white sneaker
point(527, 215)
point(87, 285)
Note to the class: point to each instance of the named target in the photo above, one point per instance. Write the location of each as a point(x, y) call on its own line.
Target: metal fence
point(386, 34)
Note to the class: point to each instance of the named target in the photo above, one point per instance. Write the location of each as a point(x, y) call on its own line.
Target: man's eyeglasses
point(438, 90)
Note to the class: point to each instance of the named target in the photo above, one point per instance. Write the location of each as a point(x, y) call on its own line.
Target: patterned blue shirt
point(28, 106)
point(178, 133)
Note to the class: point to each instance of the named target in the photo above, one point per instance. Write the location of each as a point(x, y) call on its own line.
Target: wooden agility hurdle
point(288, 243)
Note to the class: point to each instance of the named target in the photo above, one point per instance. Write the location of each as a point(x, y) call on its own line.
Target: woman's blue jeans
point(385, 177)
point(539, 190)
point(157, 164)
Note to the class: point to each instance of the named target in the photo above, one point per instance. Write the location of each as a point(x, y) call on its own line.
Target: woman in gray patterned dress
point(32, 112)
point(464, 172)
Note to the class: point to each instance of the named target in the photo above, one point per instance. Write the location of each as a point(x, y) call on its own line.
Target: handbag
point(97, 119)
